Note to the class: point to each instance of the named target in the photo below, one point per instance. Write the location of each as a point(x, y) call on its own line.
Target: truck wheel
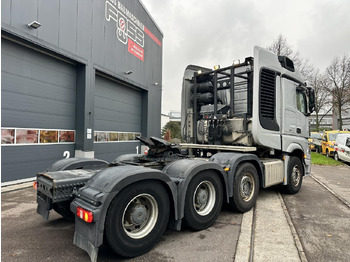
point(295, 175)
point(137, 218)
point(245, 188)
point(317, 149)
point(327, 153)
point(203, 200)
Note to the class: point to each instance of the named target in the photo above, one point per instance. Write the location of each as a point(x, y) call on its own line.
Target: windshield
point(316, 136)
point(333, 136)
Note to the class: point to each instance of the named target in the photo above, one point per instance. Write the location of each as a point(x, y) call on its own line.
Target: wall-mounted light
point(128, 72)
point(34, 24)
point(156, 84)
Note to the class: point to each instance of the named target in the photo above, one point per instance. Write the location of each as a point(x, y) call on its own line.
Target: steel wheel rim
point(296, 175)
point(204, 198)
point(140, 216)
point(247, 187)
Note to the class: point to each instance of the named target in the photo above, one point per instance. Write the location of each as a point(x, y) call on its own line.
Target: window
point(301, 101)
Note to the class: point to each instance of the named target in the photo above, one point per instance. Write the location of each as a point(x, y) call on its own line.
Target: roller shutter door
point(38, 98)
point(117, 118)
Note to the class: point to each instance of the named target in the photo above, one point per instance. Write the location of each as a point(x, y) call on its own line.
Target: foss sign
point(129, 29)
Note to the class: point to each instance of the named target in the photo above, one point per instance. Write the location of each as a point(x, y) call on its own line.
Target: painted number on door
point(66, 154)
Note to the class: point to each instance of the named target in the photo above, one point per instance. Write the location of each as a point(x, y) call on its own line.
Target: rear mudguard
point(97, 195)
point(232, 161)
point(182, 171)
point(77, 163)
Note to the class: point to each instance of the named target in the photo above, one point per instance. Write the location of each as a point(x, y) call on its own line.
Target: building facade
point(79, 78)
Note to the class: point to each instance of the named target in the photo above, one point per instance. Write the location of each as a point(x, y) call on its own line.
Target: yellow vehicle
point(328, 141)
point(315, 142)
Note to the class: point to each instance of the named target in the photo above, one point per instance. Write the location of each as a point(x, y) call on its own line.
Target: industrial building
point(79, 78)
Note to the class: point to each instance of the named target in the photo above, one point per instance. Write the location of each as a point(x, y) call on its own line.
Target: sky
point(208, 33)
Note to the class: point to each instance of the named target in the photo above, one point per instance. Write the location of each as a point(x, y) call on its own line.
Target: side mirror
point(311, 99)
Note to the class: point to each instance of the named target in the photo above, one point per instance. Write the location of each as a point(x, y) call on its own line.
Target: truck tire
point(295, 175)
point(203, 200)
point(137, 218)
point(245, 188)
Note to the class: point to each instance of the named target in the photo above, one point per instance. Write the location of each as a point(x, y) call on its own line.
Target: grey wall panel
point(67, 37)
point(18, 162)
point(72, 25)
point(49, 20)
point(37, 91)
point(117, 107)
point(6, 11)
point(111, 55)
point(98, 31)
point(84, 25)
point(155, 107)
point(110, 151)
point(23, 13)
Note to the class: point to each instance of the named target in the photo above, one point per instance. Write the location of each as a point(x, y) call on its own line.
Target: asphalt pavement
point(312, 225)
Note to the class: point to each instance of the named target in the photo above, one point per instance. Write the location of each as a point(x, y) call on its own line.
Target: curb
point(247, 242)
point(293, 230)
point(17, 185)
point(243, 250)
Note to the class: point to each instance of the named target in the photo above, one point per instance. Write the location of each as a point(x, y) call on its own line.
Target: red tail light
point(35, 185)
point(85, 215)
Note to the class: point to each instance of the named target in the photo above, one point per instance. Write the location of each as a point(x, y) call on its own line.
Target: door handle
point(298, 130)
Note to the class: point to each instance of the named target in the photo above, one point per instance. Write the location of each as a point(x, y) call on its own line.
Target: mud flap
point(86, 245)
point(44, 206)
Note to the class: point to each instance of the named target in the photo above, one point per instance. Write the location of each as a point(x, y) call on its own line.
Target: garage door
point(38, 94)
point(117, 118)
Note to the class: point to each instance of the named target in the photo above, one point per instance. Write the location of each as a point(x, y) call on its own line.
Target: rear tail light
point(35, 185)
point(85, 215)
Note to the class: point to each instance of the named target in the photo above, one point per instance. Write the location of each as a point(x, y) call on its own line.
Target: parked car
point(342, 148)
point(315, 142)
point(328, 141)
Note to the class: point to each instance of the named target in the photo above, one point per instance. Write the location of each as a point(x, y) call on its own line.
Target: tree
point(172, 130)
point(320, 83)
point(281, 47)
point(339, 75)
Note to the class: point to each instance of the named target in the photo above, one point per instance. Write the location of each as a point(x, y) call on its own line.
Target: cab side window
point(301, 101)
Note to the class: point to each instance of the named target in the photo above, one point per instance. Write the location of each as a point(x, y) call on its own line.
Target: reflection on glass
point(7, 136)
point(48, 136)
point(113, 136)
point(26, 136)
point(123, 136)
point(102, 137)
point(66, 136)
point(131, 136)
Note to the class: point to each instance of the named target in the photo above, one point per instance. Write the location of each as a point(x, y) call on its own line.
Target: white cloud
point(217, 32)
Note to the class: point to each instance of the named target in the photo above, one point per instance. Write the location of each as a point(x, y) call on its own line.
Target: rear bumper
point(58, 187)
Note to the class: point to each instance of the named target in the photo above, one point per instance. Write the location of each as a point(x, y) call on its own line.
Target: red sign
point(153, 37)
point(135, 49)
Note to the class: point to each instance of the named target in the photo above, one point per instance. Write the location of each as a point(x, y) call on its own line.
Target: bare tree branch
point(281, 47)
point(339, 74)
